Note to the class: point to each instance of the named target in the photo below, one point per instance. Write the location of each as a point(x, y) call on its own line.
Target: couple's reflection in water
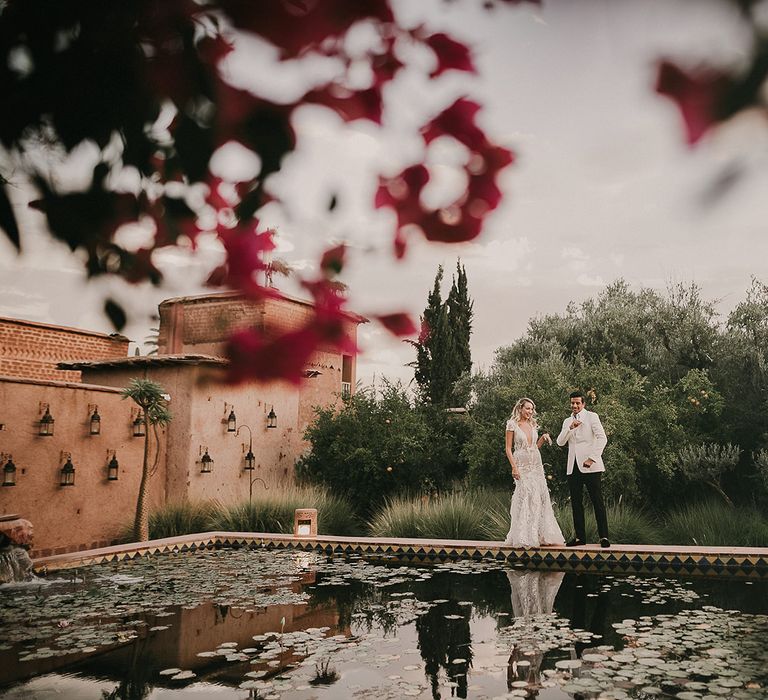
point(445, 640)
point(533, 594)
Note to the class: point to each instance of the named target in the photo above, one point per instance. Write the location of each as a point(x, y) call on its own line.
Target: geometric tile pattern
point(699, 561)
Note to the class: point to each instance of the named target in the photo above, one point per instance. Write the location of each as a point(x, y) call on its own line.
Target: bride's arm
point(509, 440)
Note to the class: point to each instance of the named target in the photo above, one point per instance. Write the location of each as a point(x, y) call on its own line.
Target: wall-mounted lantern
point(232, 422)
point(9, 473)
point(67, 471)
point(138, 425)
point(46, 422)
point(250, 459)
point(112, 468)
point(272, 418)
point(206, 463)
point(95, 420)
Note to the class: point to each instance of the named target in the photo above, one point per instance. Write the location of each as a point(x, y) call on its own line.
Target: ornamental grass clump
point(400, 516)
point(455, 516)
point(185, 518)
point(715, 524)
point(497, 515)
point(273, 511)
point(627, 524)
point(260, 515)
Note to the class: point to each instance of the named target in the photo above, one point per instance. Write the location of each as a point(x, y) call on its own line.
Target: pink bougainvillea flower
point(698, 95)
point(483, 193)
point(385, 65)
point(463, 220)
point(246, 249)
point(399, 324)
point(299, 26)
point(401, 193)
point(451, 225)
point(331, 319)
point(214, 197)
point(451, 55)
point(457, 121)
point(332, 261)
point(349, 104)
point(251, 356)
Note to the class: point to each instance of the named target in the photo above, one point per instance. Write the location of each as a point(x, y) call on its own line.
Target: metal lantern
point(272, 418)
point(68, 473)
point(46, 424)
point(138, 426)
point(112, 468)
point(206, 463)
point(250, 461)
point(95, 421)
point(9, 473)
point(232, 422)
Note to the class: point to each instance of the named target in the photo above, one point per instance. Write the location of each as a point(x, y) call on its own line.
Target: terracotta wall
point(31, 350)
point(202, 324)
point(200, 406)
point(93, 512)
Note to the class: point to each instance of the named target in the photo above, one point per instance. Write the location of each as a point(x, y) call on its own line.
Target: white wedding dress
point(532, 520)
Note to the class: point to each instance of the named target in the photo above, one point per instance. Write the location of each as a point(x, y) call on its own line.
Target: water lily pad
point(170, 671)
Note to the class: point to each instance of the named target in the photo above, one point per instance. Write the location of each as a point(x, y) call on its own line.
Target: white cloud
point(591, 281)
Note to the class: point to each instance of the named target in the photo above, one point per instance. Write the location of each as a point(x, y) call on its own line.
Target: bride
point(533, 521)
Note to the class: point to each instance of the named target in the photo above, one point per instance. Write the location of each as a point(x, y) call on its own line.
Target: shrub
point(380, 444)
point(708, 463)
point(716, 524)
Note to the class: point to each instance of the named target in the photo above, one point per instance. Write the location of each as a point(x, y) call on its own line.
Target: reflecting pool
point(254, 624)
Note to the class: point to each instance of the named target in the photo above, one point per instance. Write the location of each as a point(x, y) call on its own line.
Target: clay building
point(47, 425)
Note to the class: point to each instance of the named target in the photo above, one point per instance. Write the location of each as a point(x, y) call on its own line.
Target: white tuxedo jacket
point(585, 442)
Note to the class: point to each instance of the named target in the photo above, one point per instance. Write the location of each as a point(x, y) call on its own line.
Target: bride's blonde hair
point(518, 410)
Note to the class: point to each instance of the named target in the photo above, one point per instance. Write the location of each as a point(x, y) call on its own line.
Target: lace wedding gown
point(532, 518)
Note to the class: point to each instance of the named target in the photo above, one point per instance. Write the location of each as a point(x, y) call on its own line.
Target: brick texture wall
point(203, 324)
point(32, 350)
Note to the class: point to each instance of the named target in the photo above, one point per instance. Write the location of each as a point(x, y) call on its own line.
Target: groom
point(584, 434)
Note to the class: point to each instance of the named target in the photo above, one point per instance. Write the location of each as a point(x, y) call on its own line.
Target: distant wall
point(93, 512)
point(203, 324)
point(32, 350)
point(200, 405)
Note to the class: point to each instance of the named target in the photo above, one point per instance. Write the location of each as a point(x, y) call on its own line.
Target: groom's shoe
point(574, 542)
point(604, 542)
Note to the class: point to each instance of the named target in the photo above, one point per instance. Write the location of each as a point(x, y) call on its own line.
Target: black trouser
point(576, 483)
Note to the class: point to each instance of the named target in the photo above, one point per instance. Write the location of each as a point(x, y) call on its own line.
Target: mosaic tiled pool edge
point(698, 561)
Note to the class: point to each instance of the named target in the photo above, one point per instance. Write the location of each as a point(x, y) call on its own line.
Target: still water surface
point(295, 626)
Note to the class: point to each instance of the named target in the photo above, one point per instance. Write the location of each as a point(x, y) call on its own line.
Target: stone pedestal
point(305, 522)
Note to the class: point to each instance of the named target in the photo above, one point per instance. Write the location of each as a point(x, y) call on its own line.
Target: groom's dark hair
point(577, 395)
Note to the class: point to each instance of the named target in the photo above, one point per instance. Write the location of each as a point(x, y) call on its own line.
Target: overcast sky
point(604, 186)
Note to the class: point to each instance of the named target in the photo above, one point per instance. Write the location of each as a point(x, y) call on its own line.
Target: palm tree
point(150, 398)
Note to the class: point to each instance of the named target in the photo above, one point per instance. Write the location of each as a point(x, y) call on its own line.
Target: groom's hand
point(588, 463)
point(575, 424)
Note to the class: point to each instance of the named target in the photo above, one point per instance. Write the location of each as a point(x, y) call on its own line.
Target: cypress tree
point(442, 350)
point(461, 312)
